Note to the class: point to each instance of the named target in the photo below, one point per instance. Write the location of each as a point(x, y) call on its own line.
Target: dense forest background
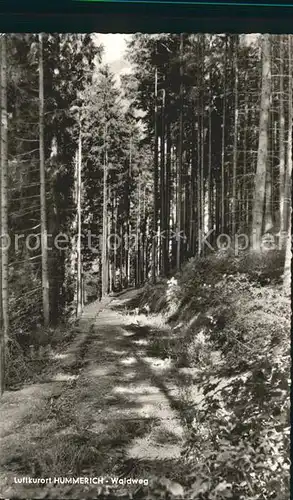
point(197, 142)
point(106, 186)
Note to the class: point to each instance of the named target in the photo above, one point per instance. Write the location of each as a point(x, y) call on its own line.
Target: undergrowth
point(28, 353)
point(232, 323)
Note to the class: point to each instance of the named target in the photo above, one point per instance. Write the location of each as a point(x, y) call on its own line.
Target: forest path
point(108, 408)
point(128, 388)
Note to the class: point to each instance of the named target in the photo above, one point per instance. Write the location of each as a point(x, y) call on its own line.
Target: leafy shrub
point(239, 436)
point(235, 321)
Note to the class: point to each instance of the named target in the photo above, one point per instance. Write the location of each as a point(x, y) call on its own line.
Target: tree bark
point(198, 176)
point(168, 193)
point(268, 200)
point(223, 204)
point(288, 184)
point(209, 180)
point(3, 176)
point(282, 145)
point(245, 210)
point(180, 154)
point(115, 208)
point(235, 145)
point(192, 235)
point(155, 202)
point(79, 271)
point(127, 233)
point(163, 222)
point(138, 237)
point(262, 155)
point(4, 185)
point(202, 176)
point(45, 277)
point(105, 274)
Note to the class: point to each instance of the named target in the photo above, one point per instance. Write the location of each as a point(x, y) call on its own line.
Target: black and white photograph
point(145, 277)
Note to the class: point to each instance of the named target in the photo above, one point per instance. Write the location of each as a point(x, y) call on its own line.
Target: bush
point(235, 321)
point(239, 434)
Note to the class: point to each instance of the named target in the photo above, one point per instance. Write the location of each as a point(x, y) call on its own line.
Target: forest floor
point(106, 406)
point(161, 385)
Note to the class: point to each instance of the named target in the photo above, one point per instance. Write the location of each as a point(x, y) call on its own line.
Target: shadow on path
point(118, 414)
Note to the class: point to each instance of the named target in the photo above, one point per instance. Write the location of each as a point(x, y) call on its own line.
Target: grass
point(153, 320)
point(29, 356)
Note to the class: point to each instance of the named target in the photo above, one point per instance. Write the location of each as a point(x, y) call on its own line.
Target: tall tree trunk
point(115, 236)
point(235, 150)
point(180, 154)
point(45, 277)
point(202, 141)
point(105, 275)
point(192, 236)
point(79, 272)
point(144, 239)
point(198, 181)
point(223, 203)
point(128, 253)
point(163, 188)
point(109, 249)
point(127, 235)
point(218, 199)
point(288, 184)
point(282, 145)
point(186, 205)
point(155, 202)
point(262, 155)
point(138, 237)
point(245, 195)
point(121, 281)
point(4, 223)
point(198, 170)
point(268, 215)
point(168, 193)
point(268, 224)
point(209, 180)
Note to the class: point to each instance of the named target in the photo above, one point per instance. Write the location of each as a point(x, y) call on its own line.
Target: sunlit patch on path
point(119, 405)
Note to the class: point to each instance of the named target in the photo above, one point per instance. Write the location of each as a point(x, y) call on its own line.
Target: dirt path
point(109, 410)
